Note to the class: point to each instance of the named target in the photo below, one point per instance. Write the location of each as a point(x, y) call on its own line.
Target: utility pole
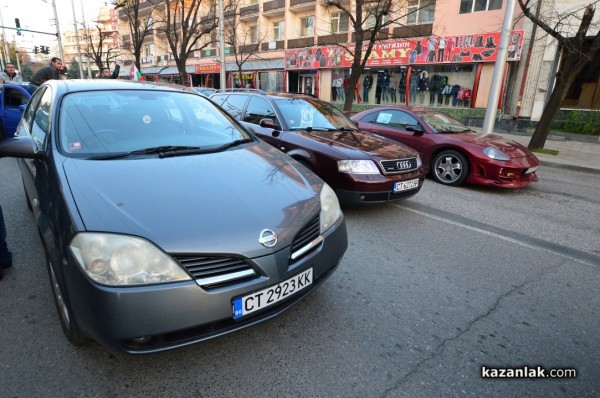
point(77, 40)
point(222, 46)
point(490, 112)
point(87, 42)
point(58, 38)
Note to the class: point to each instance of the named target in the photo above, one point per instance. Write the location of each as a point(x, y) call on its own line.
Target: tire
point(450, 167)
point(67, 321)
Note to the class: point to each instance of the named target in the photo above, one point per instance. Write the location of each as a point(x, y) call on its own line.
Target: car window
point(31, 108)
point(40, 125)
point(259, 108)
point(144, 119)
point(395, 118)
point(442, 123)
point(14, 98)
point(218, 98)
point(234, 105)
point(300, 113)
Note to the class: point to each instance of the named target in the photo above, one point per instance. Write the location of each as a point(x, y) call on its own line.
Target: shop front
point(152, 74)
point(207, 75)
point(434, 71)
point(267, 75)
point(171, 75)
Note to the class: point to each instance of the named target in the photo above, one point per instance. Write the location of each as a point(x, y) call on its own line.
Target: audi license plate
point(250, 303)
point(406, 185)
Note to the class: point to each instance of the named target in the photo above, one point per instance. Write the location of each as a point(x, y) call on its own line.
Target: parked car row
point(165, 221)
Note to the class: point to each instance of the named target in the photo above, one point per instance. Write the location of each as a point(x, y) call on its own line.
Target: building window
point(253, 34)
point(370, 20)
point(278, 30)
point(149, 50)
point(468, 6)
point(420, 11)
point(339, 22)
point(307, 26)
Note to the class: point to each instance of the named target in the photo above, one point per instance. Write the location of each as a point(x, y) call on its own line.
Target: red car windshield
point(441, 123)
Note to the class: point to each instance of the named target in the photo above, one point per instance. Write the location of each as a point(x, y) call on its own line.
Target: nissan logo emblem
point(403, 165)
point(267, 238)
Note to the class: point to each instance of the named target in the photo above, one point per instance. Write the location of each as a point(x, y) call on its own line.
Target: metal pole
point(490, 112)
point(77, 40)
point(58, 38)
point(4, 37)
point(87, 42)
point(222, 45)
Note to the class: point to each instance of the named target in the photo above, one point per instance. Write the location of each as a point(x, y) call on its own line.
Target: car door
point(13, 98)
point(394, 124)
point(36, 123)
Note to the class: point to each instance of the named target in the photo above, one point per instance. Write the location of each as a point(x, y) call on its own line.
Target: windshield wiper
point(310, 128)
point(171, 150)
point(453, 131)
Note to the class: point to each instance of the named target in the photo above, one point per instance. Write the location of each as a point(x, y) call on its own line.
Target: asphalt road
point(430, 290)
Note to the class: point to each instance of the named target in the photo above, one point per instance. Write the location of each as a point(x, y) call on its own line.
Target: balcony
point(272, 45)
point(328, 40)
point(302, 42)
point(249, 12)
point(302, 5)
point(382, 35)
point(413, 31)
point(248, 49)
point(208, 52)
point(274, 8)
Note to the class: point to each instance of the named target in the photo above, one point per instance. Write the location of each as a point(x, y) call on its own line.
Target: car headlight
point(357, 167)
point(119, 260)
point(419, 161)
point(495, 154)
point(330, 208)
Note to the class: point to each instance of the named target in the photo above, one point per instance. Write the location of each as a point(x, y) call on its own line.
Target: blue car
point(13, 99)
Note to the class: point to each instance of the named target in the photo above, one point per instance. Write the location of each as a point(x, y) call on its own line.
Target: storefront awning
point(153, 70)
point(172, 70)
point(257, 65)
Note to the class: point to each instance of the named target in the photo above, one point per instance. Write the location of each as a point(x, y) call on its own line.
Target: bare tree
point(244, 40)
point(140, 22)
point(101, 52)
point(185, 29)
point(570, 30)
point(369, 19)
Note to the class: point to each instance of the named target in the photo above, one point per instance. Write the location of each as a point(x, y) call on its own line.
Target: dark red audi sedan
point(452, 152)
point(362, 168)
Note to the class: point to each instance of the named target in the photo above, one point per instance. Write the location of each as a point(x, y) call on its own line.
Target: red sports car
point(451, 151)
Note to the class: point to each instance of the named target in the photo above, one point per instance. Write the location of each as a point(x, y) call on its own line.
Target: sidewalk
point(571, 153)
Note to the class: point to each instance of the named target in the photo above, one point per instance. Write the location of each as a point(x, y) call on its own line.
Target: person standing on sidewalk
point(5, 255)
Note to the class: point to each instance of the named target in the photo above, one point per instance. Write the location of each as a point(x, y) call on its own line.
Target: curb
point(568, 166)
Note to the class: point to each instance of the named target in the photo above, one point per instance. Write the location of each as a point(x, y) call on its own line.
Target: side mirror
point(20, 147)
point(267, 123)
point(417, 129)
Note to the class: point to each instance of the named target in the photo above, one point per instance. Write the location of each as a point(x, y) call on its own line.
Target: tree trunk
point(570, 69)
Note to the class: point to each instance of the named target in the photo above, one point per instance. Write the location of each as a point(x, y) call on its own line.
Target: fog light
point(507, 173)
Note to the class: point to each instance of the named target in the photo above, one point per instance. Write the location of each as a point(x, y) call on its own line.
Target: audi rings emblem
point(403, 165)
point(267, 238)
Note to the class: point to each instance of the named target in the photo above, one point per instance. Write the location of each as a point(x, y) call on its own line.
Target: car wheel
point(450, 168)
point(68, 323)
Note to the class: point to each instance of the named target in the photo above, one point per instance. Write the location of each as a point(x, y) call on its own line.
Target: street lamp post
point(77, 40)
point(87, 42)
point(222, 46)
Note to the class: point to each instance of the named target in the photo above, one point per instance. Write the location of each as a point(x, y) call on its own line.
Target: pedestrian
point(10, 75)
point(50, 72)
point(105, 72)
point(5, 255)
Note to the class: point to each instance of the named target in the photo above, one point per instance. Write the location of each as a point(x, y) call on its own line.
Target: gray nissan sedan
point(164, 221)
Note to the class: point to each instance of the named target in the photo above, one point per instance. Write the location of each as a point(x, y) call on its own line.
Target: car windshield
point(303, 113)
point(106, 124)
point(441, 123)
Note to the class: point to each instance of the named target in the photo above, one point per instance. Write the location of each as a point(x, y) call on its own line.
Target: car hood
point(361, 145)
point(511, 148)
point(211, 203)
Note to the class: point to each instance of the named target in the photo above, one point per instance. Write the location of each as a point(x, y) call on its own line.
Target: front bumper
point(149, 319)
point(511, 174)
point(357, 189)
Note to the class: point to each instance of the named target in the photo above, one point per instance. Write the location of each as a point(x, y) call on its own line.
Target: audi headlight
point(119, 260)
point(495, 154)
point(419, 161)
point(357, 167)
point(330, 208)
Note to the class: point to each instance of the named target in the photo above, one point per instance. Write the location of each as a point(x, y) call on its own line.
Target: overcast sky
point(38, 15)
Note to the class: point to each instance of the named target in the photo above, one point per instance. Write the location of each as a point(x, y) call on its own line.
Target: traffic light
point(36, 50)
point(18, 26)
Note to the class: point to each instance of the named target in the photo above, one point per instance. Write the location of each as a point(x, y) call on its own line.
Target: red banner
point(200, 69)
point(482, 47)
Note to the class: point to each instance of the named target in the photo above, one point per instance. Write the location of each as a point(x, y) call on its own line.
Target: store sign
point(200, 69)
point(482, 47)
point(245, 76)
